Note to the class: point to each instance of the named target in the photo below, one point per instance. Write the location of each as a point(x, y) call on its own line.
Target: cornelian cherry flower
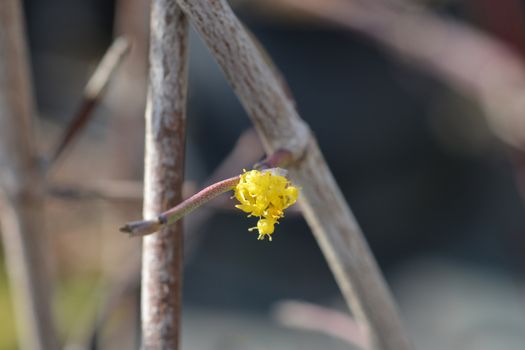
point(265, 194)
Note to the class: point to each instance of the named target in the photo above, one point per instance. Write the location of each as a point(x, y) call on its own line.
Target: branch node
point(279, 159)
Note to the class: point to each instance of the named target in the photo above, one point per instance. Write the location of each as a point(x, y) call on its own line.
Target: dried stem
point(163, 175)
point(324, 207)
point(171, 216)
point(21, 190)
point(92, 94)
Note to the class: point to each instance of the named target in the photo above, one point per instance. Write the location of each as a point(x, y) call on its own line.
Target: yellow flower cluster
point(265, 194)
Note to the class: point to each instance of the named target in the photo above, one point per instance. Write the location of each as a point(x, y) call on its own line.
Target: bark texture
point(163, 178)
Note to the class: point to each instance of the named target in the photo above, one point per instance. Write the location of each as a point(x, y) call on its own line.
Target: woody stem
point(146, 227)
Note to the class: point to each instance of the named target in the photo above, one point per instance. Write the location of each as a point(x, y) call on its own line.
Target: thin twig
point(92, 95)
point(323, 205)
point(169, 217)
point(21, 189)
point(163, 175)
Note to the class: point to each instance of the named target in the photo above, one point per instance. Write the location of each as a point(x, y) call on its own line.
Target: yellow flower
point(265, 194)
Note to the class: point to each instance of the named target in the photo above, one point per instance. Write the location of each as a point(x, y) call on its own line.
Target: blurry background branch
point(308, 316)
point(21, 192)
point(246, 152)
point(324, 207)
point(92, 94)
point(116, 190)
point(471, 61)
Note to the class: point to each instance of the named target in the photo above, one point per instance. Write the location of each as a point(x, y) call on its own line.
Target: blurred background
point(416, 106)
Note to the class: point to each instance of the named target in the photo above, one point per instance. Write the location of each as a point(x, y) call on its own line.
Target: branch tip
point(141, 228)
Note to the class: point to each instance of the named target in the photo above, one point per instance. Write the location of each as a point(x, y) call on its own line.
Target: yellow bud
point(265, 194)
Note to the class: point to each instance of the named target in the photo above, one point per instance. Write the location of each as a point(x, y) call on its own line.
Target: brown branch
point(323, 205)
point(92, 95)
point(164, 156)
point(20, 189)
point(171, 216)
